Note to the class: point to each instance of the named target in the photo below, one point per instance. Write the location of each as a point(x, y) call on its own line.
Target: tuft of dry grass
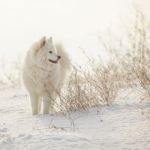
point(132, 53)
point(95, 86)
point(10, 73)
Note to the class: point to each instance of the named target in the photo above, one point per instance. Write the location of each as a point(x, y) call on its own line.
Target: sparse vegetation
point(10, 73)
point(129, 65)
point(86, 88)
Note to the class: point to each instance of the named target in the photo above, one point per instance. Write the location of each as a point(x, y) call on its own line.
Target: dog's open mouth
point(55, 61)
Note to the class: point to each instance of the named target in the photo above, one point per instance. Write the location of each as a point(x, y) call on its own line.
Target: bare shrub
point(136, 61)
point(128, 66)
point(95, 86)
point(10, 73)
point(131, 53)
point(141, 52)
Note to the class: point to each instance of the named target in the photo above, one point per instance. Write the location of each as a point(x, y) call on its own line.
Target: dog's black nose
point(59, 57)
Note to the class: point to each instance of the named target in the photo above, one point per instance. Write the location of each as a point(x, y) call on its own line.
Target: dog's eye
point(50, 51)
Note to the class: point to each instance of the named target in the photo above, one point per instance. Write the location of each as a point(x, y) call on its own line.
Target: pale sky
point(74, 22)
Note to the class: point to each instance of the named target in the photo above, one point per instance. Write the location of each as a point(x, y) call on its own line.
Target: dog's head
point(46, 46)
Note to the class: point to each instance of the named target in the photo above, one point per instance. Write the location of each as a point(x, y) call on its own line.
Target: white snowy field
point(123, 126)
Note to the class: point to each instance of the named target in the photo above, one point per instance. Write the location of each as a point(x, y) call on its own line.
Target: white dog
point(44, 73)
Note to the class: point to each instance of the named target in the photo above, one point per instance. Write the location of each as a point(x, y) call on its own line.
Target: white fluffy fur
point(43, 78)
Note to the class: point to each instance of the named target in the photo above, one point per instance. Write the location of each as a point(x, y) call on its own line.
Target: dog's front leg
point(34, 103)
point(46, 105)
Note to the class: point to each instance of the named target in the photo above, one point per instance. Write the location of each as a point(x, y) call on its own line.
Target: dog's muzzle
point(55, 61)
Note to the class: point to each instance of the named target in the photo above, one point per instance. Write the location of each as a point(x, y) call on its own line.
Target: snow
point(123, 126)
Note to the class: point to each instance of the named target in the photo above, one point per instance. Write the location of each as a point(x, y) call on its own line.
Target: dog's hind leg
point(34, 103)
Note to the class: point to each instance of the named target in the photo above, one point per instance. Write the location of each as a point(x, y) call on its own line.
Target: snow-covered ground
point(123, 126)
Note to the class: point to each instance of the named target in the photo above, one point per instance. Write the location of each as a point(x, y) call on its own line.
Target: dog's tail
point(65, 60)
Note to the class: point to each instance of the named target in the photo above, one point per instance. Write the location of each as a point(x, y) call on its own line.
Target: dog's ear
point(42, 41)
point(50, 40)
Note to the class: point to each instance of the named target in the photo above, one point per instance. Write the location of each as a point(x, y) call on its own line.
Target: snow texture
point(123, 126)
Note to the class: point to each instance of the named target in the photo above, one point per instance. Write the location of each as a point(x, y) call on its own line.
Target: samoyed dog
point(44, 72)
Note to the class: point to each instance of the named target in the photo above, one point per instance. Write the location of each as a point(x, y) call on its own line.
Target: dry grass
point(95, 86)
point(10, 73)
point(141, 53)
point(132, 53)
